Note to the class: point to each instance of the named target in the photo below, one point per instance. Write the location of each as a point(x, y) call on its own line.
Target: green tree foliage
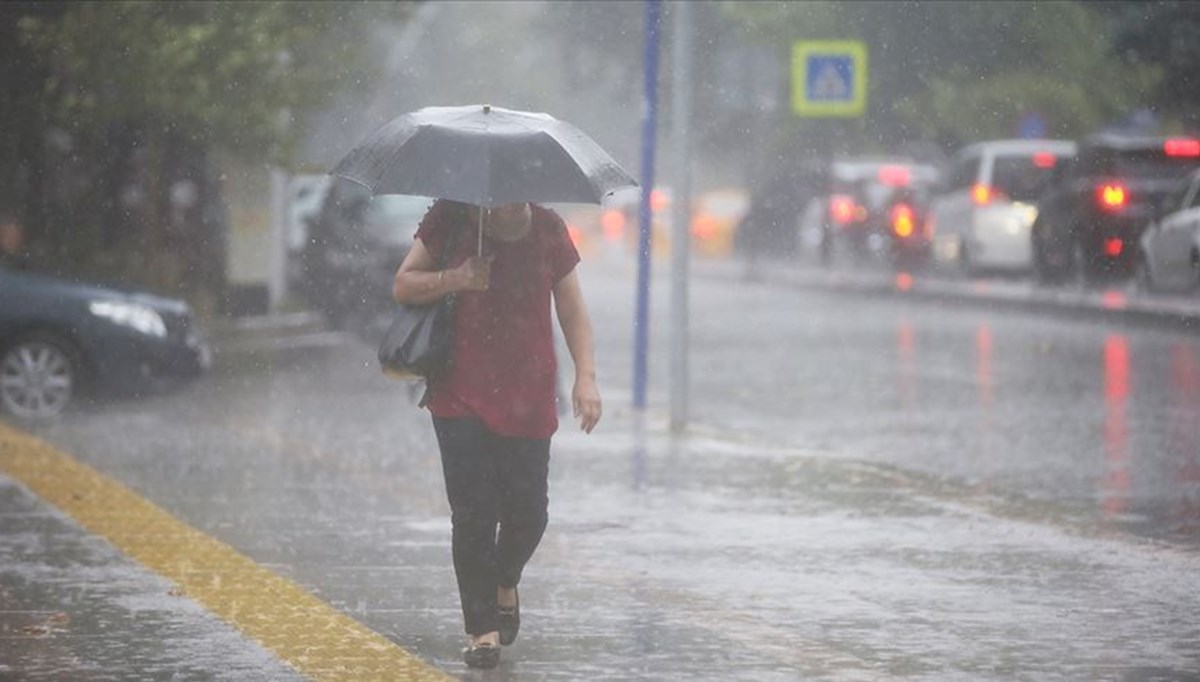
point(1166, 35)
point(228, 74)
point(114, 110)
point(957, 72)
point(1051, 58)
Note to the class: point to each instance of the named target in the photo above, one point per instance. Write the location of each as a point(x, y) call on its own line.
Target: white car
point(1169, 255)
point(983, 218)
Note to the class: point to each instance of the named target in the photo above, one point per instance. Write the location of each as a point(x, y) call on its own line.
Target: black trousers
point(497, 487)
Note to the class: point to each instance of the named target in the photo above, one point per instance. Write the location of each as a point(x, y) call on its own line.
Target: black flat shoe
point(482, 656)
point(509, 621)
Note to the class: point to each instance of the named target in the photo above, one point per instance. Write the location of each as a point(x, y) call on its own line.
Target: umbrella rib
point(399, 147)
point(568, 147)
point(356, 181)
point(379, 167)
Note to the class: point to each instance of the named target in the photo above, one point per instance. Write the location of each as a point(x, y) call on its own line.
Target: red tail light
point(613, 222)
point(983, 194)
point(1114, 247)
point(1182, 146)
point(1044, 160)
point(842, 209)
point(1112, 196)
point(704, 226)
point(894, 176)
point(903, 220)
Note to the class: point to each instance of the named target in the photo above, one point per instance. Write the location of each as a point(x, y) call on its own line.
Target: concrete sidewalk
point(72, 607)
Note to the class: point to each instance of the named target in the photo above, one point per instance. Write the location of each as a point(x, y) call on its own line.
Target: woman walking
point(494, 410)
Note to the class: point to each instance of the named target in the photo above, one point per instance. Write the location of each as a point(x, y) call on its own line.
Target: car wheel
point(1195, 270)
point(1078, 272)
point(39, 374)
point(1142, 277)
point(825, 248)
point(1045, 272)
point(965, 261)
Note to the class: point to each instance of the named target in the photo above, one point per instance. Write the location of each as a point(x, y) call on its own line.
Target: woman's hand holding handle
point(474, 274)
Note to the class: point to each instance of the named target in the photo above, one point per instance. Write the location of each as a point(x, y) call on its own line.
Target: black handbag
point(417, 344)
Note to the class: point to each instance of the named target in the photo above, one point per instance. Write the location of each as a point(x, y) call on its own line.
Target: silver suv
point(983, 218)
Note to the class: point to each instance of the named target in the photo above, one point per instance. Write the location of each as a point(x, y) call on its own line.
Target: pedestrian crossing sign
point(829, 78)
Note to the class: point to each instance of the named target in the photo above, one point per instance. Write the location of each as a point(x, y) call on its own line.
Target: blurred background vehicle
point(306, 195)
point(768, 226)
point(983, 219)
point(909, 234)
point(59, 338)
point(619, 220)
point(1169, 251)
point(716, 218)
point(873, 208)
point(1095, 208)
point(353, 246)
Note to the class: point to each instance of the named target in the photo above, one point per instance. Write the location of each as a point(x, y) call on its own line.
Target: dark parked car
point(1092, 215)
point(877, 206)
point(58, 337)
point(909, 236)
point(354, 245)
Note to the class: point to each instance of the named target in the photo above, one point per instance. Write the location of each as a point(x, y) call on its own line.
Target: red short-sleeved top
point(503, 368)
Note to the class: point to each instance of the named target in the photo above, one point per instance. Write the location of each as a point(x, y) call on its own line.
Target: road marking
point(305, 632)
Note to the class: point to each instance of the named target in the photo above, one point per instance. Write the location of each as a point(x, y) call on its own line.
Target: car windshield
point(1021, 177)
point(393, 218)
point(1153, 164)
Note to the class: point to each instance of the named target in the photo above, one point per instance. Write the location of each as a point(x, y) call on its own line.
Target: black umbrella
point(486, 156)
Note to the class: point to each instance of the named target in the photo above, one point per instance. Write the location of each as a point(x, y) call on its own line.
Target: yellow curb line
point(305, 632)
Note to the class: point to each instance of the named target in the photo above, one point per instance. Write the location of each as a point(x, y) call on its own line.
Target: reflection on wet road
point(1184, 438)
point(1115, 497)
point(1073, 411)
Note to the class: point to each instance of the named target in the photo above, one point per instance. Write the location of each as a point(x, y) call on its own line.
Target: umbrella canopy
point(484, 155)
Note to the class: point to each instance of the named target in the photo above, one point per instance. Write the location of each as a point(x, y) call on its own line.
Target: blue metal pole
point(641, 323)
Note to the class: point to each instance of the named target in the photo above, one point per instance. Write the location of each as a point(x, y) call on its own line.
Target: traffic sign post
point(829, 78)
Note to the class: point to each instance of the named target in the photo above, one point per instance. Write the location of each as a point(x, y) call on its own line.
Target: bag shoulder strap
point(457, 216)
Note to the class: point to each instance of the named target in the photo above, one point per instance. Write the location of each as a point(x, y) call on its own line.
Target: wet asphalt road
point(1099, 416)
point(870, 488)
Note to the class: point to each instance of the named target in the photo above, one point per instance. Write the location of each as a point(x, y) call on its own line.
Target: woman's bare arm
point(577, 329)
point(418, 281)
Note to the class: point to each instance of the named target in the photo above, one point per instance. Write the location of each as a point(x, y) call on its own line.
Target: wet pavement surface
point(73, 607)
point(871, 488)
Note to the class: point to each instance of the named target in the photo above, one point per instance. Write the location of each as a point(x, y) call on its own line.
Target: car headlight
point(137, 317)
point(1028, 212)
